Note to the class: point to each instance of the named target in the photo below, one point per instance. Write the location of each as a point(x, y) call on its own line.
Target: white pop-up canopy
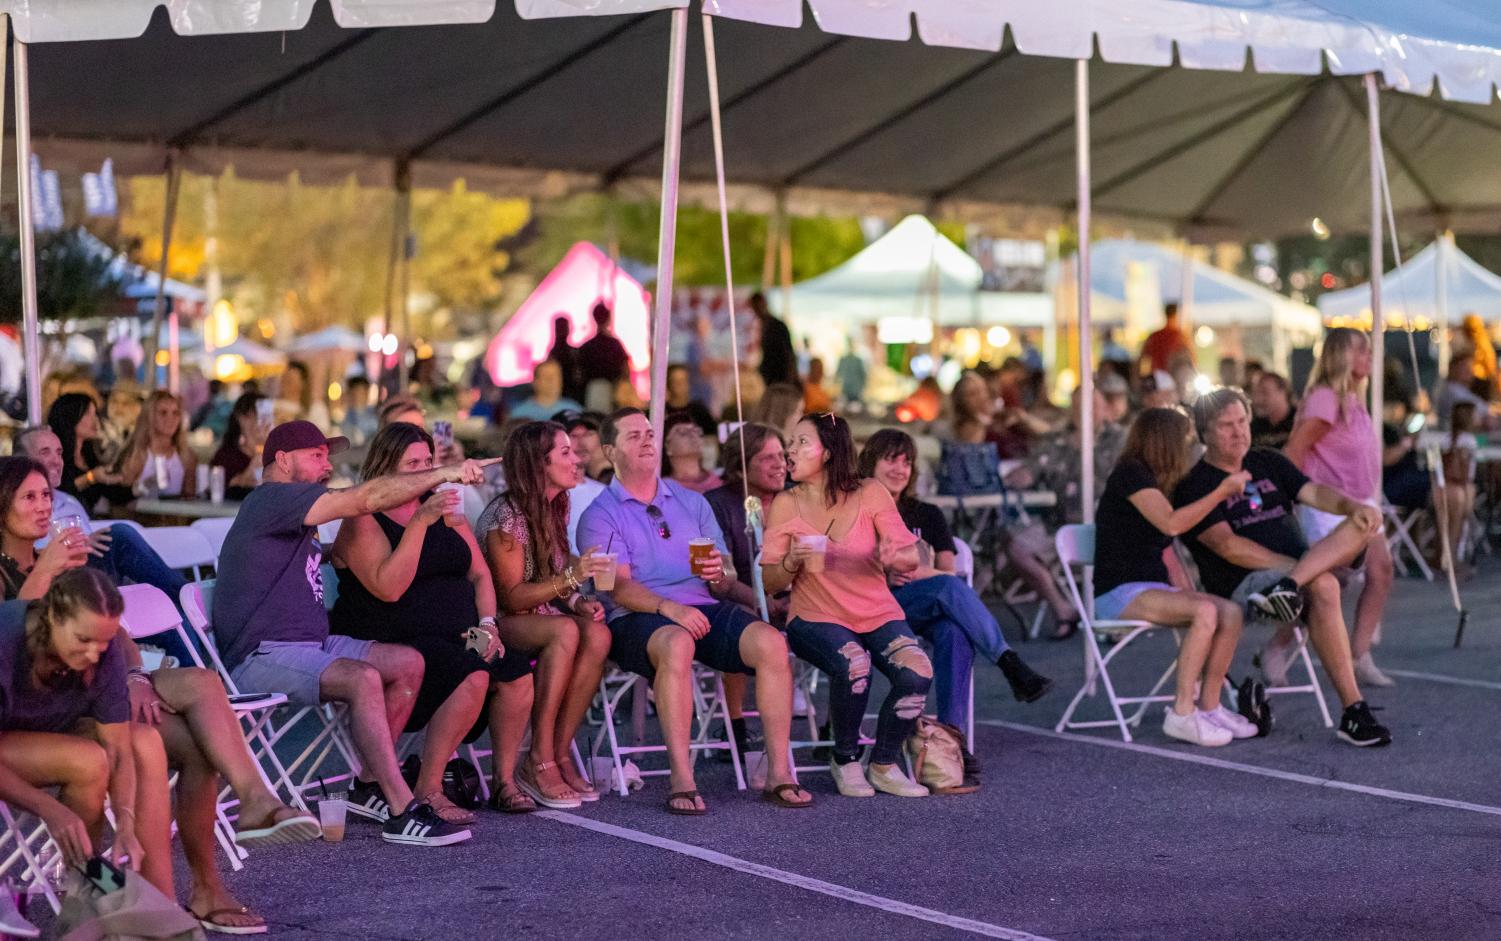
point(1438, 285)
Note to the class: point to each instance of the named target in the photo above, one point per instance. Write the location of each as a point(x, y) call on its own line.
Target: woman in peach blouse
point(843, 618)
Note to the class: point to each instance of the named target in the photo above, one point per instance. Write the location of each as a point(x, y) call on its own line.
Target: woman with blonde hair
point(1135, 525)
point(159, 441)
point(1335, 444)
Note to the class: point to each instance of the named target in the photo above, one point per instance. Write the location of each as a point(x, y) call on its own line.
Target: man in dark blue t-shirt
point(1249, 549)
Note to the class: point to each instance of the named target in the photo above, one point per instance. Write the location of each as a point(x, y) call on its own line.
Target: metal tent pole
point(31, 346)
point(672, 148)
point(159, 308)
point(1086, 338)
point(1378, 318)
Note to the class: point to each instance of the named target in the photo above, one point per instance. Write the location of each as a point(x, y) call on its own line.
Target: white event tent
point(983, 118)
point(1438, 285)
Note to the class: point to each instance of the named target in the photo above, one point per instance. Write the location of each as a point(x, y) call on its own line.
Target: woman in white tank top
point(158, 458)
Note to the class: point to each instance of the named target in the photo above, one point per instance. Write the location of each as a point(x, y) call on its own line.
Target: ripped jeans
point(846, 657)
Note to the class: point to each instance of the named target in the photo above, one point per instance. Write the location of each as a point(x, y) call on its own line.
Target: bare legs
point(363, 688)
point(510, 711)
point(445, 733)
point(76, 765)
point(1379, 574)
point(1214, 627)
point(764, 649)
point(588, 666)
point(1326, 628)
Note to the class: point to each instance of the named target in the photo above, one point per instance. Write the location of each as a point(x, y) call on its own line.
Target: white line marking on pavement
point(1441, 678)
point(1224, 765)
point(796, 880)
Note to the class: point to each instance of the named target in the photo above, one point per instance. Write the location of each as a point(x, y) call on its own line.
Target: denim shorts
point(1108, 607)
point(295, 668)
point(719, 649)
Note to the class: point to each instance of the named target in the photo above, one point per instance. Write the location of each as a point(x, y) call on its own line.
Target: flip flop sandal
point(298, 828)
point(512, 800)
point(208, 921)
point(692, 810)
point(778, 795)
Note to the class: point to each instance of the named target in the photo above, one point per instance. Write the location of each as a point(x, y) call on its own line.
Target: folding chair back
point(181, 547)
point(964, 561)
point(148, 612)
point(214, 529)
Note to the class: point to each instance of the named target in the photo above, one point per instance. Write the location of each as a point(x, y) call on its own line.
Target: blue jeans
point(947, 612)
point(129, 558)
point(846, 657)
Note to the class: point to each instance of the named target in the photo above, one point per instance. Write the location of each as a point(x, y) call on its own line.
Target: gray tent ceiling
point(543, 105)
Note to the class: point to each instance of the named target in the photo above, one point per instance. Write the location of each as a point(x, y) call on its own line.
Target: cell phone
point(1416, 422)
point(443, 434)
point(477, 639)
point(265, 412)
point(105, 875)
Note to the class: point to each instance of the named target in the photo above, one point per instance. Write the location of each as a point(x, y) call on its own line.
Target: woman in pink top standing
point(1335, 444)
point(832, 537)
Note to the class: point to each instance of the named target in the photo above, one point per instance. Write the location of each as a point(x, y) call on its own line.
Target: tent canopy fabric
point(1412, 292)
point(1220, 299)
point(335, 338)
point(582, 279)
point(978, 113)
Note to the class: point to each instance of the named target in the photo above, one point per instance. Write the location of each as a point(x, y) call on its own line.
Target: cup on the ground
point(333, 813)
point(454, 518)
point(699, 552)
point(604, 570)
point(818, 544)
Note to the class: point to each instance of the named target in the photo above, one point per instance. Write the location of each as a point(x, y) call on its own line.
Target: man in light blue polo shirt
point(663, 617)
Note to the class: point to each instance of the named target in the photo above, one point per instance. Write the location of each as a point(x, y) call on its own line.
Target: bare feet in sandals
point(507, 798)
point(276, 823)
point(447, 809)
point(686, 804)
point(575, 780)
point(544, 783)
point(221, 913)
point(787, 794)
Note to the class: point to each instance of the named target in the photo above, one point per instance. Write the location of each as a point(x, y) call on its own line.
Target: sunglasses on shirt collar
point(656, 516)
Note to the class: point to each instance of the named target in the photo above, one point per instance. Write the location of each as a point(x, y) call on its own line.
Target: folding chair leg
point(1313, 679)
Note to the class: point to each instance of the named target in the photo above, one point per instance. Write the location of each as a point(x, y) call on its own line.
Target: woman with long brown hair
point(159, 437)
point(1135, 525)
point(525, 531)
point(414, 575)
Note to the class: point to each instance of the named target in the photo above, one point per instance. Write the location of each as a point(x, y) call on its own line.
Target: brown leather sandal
point(779, 796)
point(692, 810)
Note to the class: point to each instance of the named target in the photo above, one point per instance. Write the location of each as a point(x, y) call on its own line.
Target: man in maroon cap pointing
point(271, 626)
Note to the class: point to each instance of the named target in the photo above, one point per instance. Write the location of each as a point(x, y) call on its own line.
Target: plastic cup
point(216, 484)
point(201, 483)
point(604, 574)
point(699, 551)
point(456, 518)
point(64, 523)
point(333, 812)
point(817, 542)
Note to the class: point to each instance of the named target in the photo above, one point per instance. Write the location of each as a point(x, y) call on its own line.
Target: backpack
point(936, 752)
point(460, 780)
point(966, 469)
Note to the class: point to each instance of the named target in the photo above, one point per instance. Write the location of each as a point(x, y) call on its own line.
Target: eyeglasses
point(663, 529)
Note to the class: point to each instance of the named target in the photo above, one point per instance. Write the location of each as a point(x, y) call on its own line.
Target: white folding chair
point(1400, 540)
point(27, 854)
point(214, 529)
point(1076, 547)
point(148, 611)
point(181, 547)
point(272, 723)
point(709, 706)
point(964, 567)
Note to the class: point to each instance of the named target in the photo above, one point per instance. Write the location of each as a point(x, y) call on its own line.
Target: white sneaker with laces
point(891, 779)
point(1195, 728)
point(1369, 674)
point(1275, 659)
point(850, 779)
point(1233, 722)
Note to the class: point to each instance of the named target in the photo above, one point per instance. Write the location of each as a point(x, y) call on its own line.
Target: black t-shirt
point(1274, 526)
point(927, 519)
point(1127, 548)
point(1264, 434)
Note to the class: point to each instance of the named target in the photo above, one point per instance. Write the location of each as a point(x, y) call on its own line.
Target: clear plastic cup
point(604, 572)
point(333, 813)
point(216, 485)
point(699, 551)
point(456, 518)
point(62, 524)
point(819, 543)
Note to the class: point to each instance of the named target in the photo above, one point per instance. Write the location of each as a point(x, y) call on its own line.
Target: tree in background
point(73, 276)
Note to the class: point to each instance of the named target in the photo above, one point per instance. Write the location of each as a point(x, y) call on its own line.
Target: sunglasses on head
point(663, 529)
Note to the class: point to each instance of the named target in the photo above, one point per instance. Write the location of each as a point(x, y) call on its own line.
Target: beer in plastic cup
point(332, 814)
point(699, 551)
point(819, 543)
point(456, 518)
point(604, 574)
point(216, 484)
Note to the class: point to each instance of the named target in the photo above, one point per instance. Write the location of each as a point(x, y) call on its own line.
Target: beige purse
point(936, 752)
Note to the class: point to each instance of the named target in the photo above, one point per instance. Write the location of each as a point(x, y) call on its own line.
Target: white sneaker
point(1196, 728)
point(1369, 674)
point(1233, 722)
point(1275, 658)
point(850, 779)
point(894, 781)
point(799, 703)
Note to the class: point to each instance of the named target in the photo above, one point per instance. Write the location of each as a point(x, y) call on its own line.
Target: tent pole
point(1378, 318)
point(1445, 242)
point(1186, 297)
point(159, 308)
point(31, 344)
point(1086, 339)
point(672, 147)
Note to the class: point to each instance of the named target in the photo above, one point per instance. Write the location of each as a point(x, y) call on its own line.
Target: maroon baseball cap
point(296, 435)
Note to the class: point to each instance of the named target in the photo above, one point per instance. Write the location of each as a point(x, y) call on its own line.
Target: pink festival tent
point(584, 277)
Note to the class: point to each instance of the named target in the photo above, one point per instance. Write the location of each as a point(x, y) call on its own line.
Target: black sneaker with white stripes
point(1360, 728)
point(1281, 602)
point(421, 826)
point(366, 800)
